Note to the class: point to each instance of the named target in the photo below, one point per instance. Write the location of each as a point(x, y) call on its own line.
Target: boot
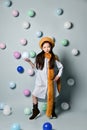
point(53, 112)
point(36, 112)
point(53, 116)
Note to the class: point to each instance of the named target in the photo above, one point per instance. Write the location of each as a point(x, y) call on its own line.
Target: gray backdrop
point(47, 21)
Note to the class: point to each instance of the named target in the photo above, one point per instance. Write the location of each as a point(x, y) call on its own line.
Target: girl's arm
point(30, 62)
point(60, 68)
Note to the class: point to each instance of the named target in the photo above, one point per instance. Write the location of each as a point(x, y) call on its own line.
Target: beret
point(46, 39)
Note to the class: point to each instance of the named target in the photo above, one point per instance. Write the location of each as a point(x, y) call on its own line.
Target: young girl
point(48, 73)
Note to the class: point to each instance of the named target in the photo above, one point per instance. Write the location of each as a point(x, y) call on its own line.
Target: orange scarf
point(50, 92)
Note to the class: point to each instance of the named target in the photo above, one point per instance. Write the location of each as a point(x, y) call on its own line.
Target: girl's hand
point(56, 78)
point(27, 60)
point(30, 62)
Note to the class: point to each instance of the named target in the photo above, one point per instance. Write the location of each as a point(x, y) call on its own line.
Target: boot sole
point(52, 117)
point(38, 116)
point(35, 117)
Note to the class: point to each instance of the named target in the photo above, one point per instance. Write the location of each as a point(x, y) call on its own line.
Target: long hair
point(40, 60)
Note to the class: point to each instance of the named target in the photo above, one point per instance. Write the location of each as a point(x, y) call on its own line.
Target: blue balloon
point(2, 106)
point(16, 126)
point(59, 11)
point(39, 34)
point(20, 69)
point(7, 3)
point(47, 126)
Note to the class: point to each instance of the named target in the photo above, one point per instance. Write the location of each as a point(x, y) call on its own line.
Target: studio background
point(46, 20)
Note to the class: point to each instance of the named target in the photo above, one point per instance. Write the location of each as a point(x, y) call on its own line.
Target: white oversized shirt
point(40, 90)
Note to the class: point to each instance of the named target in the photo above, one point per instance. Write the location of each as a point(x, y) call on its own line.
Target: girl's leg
point(53, 112)
point(35, 100)
point(35, 110)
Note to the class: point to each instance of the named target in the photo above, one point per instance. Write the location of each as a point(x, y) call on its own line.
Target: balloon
point(25, 55)
point(44, 107)
point(16, 126)
point(20, 69)
point(23, 41)
point(64, 42)
point(2, 106)
point(59, 11)
point(65, 106)
point(39, 34)
point(31, 13)
point(27, 92)
point(47, 126)
point(67, 25)
point(26, 25)
point(17, 54)
point(7, 110)
point(7, 3)
point(15, 13)
point(75, 52)
point(31, 72)
point(32, 54)
point(12, 85)
point(2, 45)
point(70, 81)
point(27, 111)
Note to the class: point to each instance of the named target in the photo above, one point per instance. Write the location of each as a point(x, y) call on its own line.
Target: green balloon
point(64, 42)
point(31, 13)
point(44, 107)
point(27, 111)
point(32, 54)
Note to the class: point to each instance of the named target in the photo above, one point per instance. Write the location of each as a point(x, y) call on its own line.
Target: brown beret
point(46, 39)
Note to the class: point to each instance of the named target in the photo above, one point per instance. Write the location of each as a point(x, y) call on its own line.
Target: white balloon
point(7, 110)
point(75, 52)
point(67, 25)
point(65, 106)
point(12, 84)
point(70, 81)
point(26, 25)
point(25, 55)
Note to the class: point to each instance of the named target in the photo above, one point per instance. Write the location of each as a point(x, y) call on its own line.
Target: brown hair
point(40, 59)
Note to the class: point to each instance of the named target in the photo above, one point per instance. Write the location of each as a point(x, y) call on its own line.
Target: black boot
point(36, 112)
point(53, 112)
point(53, 116)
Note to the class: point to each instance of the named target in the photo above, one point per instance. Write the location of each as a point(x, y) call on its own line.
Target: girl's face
point(46, 47)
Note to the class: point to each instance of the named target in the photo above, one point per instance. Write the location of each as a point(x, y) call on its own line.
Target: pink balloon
point(17, 54)
point(15, 13)
point(2, 45)
point(23, 41)
point(30, 72)
point(26, 92)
